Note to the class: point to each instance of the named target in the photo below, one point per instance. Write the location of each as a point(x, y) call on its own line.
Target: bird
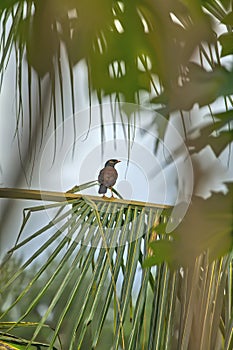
point(108, 176)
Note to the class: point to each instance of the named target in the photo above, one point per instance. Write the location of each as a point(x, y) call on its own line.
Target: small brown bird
point(108, 176)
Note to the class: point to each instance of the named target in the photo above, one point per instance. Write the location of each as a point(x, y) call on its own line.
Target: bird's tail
point(102, 189)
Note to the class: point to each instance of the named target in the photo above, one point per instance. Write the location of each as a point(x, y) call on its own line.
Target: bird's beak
point(118, 161)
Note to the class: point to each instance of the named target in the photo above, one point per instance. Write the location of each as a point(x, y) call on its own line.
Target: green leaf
point(7, 4)
point(218, 143)
point(207, 226)
point(228, 19)
point(215, 134)
point(162, 251)
point(202, 87)
point(226, 41)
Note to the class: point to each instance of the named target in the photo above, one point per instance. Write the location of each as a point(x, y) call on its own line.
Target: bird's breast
point(108, 176)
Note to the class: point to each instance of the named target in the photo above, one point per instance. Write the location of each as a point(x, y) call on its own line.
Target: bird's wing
point(101, 176)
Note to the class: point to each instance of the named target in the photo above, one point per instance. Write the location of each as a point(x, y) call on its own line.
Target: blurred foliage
point(200, 86)
point(217, 134)
point(173, 53)
point(207, 226)
point(168, 54)
point(125, 44)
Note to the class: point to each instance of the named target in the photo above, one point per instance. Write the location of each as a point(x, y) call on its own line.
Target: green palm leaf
point(92, 260)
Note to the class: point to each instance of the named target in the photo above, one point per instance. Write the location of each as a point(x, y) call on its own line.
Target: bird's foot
point(108, 198)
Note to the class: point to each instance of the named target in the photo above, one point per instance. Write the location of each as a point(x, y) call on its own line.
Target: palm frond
point(102, 235)
point(89, 273)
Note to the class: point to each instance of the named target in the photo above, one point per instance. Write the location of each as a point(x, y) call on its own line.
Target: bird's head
point(112, 162)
